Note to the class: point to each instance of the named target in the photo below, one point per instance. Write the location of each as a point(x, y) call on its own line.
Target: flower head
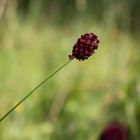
point(115, 131)
point(85, 46)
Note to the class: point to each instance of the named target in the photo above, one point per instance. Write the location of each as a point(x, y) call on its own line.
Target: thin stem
point(33, 90)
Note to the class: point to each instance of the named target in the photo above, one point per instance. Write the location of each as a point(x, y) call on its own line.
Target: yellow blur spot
point(20, 108)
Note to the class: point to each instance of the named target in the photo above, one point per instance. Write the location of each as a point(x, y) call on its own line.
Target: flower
point(115, 131)
point(85, 46)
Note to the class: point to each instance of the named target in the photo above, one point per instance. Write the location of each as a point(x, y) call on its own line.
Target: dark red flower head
point(85, 46)
point(115, 131)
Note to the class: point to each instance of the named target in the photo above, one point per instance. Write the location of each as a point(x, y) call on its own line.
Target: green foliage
point(124, 13)
point(79, 101)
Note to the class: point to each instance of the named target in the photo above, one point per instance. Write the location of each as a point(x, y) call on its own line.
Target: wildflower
point(85, 46)
point(115, 131)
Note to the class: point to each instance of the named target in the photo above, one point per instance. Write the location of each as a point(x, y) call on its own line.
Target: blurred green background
point(36, 37)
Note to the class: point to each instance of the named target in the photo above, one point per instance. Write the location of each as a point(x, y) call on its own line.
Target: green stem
point(33, 90)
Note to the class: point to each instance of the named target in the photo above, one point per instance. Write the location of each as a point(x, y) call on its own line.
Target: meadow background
point(36, 37)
